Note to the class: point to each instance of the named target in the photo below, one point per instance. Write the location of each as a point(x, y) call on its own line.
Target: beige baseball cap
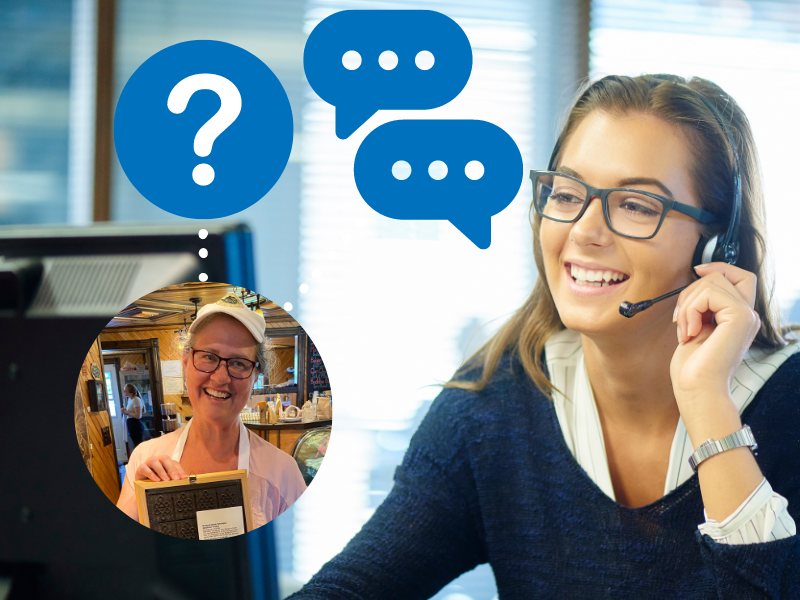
point(234, 307)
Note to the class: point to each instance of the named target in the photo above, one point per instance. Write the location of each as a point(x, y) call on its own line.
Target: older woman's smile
point(217, 394)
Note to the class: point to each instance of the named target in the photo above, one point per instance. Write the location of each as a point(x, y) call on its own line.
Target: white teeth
point(216, 394)
point(596, 278)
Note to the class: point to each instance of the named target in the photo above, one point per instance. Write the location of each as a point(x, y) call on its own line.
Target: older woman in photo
point(221, 362)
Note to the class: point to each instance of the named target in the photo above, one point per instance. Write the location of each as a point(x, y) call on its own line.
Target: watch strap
point(738, 439)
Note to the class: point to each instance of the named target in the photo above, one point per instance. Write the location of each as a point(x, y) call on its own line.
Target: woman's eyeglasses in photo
point(208, 362)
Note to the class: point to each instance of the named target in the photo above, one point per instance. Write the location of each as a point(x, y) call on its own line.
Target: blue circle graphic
point(156, 143)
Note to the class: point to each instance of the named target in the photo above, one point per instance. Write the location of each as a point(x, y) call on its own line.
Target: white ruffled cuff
point(762, 517)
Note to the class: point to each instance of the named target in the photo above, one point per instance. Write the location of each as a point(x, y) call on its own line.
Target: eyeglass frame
point(698, 214)
point(220, 359)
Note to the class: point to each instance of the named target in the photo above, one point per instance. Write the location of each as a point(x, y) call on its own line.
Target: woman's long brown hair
point(525, 334)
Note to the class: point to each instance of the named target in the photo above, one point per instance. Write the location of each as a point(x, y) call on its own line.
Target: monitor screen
point(61, 537)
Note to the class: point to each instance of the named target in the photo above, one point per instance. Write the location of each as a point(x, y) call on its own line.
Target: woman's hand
point(708, 355)
point(160, 468)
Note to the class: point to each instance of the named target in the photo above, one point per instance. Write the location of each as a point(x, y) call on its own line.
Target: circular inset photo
point(203, 410)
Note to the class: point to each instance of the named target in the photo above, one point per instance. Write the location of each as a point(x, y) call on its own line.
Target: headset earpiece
point(709, 251)
point(713, 251)
point(704, 252)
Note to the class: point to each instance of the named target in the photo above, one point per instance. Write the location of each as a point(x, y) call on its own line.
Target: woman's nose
point(591, 228)
point(221, 374)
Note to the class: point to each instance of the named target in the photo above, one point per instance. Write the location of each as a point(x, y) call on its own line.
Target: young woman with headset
point(584, 454)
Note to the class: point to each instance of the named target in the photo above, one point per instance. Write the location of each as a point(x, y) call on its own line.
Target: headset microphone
point(722, 250)
point(626, 309)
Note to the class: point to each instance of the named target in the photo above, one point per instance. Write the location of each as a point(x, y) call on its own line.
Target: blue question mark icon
point(192, 98)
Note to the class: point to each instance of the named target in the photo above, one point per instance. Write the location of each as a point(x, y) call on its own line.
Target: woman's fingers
point(745, 282)
point(728, 310)
point(145, 472)
point(160, 468)
point(738, 285)
point(176, 470)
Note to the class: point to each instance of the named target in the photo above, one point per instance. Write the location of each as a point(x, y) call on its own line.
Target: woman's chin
point(216, 411)
point(594, 320)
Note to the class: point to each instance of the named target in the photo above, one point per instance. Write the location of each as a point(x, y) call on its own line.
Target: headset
point(724, 248)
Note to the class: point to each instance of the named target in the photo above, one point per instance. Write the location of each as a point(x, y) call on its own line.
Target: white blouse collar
point(580, 424)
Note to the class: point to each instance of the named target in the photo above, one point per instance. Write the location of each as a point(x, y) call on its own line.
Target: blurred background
point(393, 306)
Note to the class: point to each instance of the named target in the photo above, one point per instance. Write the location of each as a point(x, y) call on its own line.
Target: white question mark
point(231, 105)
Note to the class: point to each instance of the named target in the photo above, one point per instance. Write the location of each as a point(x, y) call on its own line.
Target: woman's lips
point(218, 398)
point(590, 290)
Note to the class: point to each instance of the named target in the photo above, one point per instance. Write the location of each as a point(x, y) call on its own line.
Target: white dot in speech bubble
point(351, 60)
point(387, 60)
point(401, 170)
point(474, 170)
point(203, 234)
point(287, 306)
point(303, 288)
point(202, 277)
point(437, 170)
point(424, 60)
point(203, 253)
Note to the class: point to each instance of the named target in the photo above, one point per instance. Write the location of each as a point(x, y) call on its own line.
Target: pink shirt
point(273, 476)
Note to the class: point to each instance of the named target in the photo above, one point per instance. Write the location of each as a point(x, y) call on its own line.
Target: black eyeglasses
point(208, 362)
point(628, 212)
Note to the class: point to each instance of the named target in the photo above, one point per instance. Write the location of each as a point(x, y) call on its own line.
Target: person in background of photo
point(132, 417)
point(558, 453)
point(222, 359)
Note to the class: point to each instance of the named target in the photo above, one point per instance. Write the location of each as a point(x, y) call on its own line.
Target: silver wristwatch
point(743, 437)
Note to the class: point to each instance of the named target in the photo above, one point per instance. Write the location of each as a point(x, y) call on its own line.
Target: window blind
point(392, 304)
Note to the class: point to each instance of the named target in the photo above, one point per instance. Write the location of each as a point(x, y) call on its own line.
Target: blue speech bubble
point(203, 129)
point(467, 203)
point(358, 93)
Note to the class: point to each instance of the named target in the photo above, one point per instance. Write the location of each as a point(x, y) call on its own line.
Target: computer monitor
point(60, 537)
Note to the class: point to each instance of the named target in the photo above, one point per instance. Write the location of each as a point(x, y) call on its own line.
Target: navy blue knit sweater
point(489, 478)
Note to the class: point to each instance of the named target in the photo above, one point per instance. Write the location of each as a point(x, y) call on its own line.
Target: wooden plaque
point(172, 507)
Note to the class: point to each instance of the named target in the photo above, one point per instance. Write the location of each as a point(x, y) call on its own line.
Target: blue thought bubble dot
point(406, 60)
point(203, 129)
point(455, 170)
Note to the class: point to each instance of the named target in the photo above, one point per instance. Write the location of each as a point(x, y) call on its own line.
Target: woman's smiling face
point(612, 151)
point(216, 396)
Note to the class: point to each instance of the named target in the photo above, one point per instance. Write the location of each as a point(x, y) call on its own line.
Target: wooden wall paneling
point(104, 459)
point(80, 427)
point(288, 437)
point(285, 358)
